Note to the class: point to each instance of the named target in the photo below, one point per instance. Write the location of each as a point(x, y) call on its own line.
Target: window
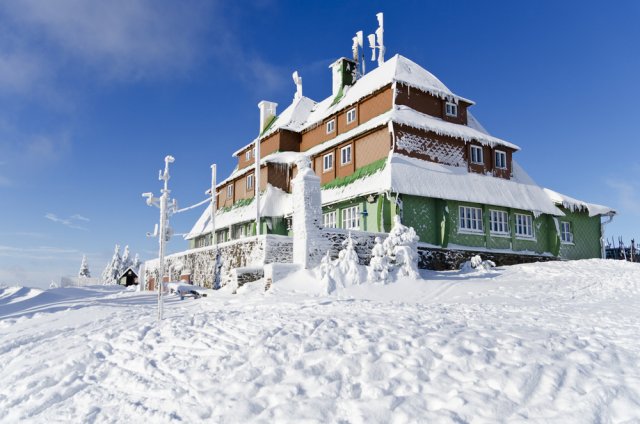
point(247, 155)
point(329, 219)
point(499, 222)
point(451, 109)
point(220, 236)
point(229, 191)
point(331, 126)
point(566, 236)
point(327, 162)
point(240, 231)
point(524, 225)
point(501, 159)
point(250, 182)
point(470, 219)
point(351, 116)
point(476, 154)
point(345, 155)
point(351, 218)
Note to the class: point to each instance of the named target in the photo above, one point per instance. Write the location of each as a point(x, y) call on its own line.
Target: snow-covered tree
point(136, 263)
point(126, 260)
point(326, 266)
point(112, 271)
point(378, 270)
point(347, 266)
point(401, 248)
point(84, 268)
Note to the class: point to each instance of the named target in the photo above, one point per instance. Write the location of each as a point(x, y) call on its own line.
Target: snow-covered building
point(397, 141)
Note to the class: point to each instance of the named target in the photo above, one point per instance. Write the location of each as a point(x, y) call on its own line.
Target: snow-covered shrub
point(401, 247)
point(378, 270)
point(347, 267)
point(477, 264)
point(325, 267)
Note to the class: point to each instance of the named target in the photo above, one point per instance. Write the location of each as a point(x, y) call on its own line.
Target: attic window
point(247, 155)
point(229, 191)
point(476, 155)
point(501, 159)
point(451, 109)
point(351, 116)
point(331, 126)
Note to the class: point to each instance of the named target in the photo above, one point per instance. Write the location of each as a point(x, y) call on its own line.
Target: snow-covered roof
point(275, 157)
point(398, 69)
point(429, 179)
point(274, 202)
point(292, 118)
point(576, 205)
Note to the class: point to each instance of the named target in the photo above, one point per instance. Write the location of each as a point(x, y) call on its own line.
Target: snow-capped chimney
point(267, 112)
point(297, 79)
point(343, 71)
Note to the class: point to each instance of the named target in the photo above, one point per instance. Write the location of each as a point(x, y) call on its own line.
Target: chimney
point(267, 112)
point(343, 71)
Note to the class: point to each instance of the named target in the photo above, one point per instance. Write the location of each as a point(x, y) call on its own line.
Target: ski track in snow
point(555, 342)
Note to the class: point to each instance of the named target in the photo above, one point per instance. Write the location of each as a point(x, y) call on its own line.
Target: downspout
point(602, 228)
point(257, 186)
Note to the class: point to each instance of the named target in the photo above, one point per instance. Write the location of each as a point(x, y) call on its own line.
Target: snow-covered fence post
point(307, 215)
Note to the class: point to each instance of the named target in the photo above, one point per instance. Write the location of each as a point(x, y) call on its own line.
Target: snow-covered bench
point(183, 289)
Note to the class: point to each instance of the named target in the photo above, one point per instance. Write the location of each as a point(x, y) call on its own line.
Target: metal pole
point(214, 199)
point(162, 236)
point(257, 185)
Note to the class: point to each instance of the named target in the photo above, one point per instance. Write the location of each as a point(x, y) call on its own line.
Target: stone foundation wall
point(444, 259)
point(213, 266)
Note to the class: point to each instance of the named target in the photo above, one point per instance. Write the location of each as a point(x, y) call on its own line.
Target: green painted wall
point(420, 213)
point(586, 236)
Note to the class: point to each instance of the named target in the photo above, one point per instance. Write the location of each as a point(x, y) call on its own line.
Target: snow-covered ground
point(554, 342)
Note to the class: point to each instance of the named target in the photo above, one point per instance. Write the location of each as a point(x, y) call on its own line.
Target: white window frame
point(220, 237)
point(229, 191)
point(351, 218)
point(331, 126)
point(470, 220)
point(250, 184)
point(524, 226)
point(499, 222)
point(503, 155)
point(342, 155)
point(451, 109)
point(330, 219)
point(566, 236)
point(478, 154)
point(247, 155)
point(328, 156)
point(351, 116)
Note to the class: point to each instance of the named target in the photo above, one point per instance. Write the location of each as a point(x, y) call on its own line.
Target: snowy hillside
point(553, 342)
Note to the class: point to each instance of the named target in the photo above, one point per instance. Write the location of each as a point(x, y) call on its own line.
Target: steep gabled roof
point(290, 119)
point(398, 69)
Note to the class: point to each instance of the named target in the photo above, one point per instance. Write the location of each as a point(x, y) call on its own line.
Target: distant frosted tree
point(126, 260)
point(137, 263)
point(84, 268)
point(112, 271)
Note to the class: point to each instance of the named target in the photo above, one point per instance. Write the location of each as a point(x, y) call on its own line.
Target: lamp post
point(165, 232)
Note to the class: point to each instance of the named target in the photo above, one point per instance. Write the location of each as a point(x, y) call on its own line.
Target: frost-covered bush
point(378, 270)
point(347, 267)
point(326, 266)
point(477, 264)
point(401, 247)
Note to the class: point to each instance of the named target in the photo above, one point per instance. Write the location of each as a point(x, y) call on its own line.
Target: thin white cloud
point(4, 181)
point(39, 252)
point(628, 194)
point(70, 222)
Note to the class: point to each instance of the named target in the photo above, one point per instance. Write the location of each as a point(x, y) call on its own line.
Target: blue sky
point(93, 95)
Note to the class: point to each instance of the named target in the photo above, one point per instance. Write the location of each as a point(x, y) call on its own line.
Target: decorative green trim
point(365, 171)
point(238, 204)
point(266, 128)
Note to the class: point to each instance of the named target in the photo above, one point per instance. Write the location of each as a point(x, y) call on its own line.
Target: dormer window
point(247, 155)
point(331, 126)
point(476, 155)
point(451, 109)
point(501, 160)
point(351, 116)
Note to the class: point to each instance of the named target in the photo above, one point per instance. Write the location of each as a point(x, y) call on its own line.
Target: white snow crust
point(551, 342)
point(576, 205)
